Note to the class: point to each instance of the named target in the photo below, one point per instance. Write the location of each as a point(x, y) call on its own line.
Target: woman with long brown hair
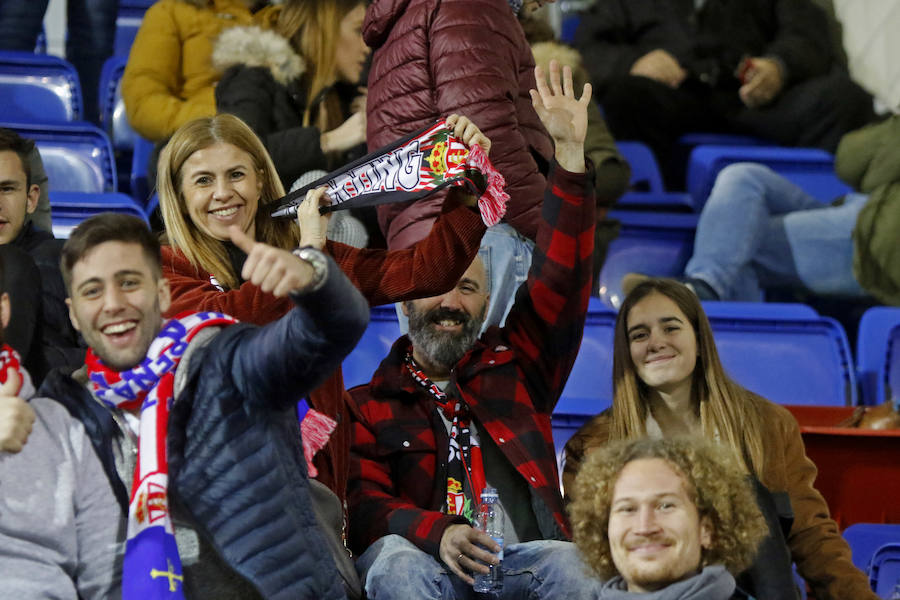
point(668, 381)
point(297, 86)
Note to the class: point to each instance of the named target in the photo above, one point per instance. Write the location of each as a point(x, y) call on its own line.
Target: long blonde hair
point(726, 410)
point(202, 250)
point(313, 27)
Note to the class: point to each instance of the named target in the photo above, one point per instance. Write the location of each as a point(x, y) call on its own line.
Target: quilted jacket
point(432, 58)
point(511, 380)
point(235, 460)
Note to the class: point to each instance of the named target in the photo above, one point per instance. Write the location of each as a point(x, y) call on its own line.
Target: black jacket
point(40, 317)
point(709, 44)
point(263, 84)
point(235, 460)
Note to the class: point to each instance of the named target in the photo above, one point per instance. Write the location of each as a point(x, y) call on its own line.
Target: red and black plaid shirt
point(511, 380)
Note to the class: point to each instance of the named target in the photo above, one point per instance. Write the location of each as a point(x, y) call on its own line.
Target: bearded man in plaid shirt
point(449, 412)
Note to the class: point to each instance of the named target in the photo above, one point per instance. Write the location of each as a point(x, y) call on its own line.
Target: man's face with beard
point(443, 328)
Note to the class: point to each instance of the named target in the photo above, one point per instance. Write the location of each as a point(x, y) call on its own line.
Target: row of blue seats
point(45, 89)
point(785, 352)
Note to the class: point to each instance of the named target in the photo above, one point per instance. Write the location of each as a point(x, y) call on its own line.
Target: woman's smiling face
point(221, 187)
point(662, 343)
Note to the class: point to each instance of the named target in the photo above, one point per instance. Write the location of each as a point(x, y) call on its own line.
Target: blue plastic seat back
point(884, 570)
point(128, 21)
point(892, 368)
point(376, 342)
point(875, 353)
point(645, 173)
point(77, 157)
point(140, 163)
point(865, 538)
point(112, 106)
point(38, 87)
point(589, 388)
point(653, 243)
point(71, 208)
point(788, 355)
point(810, 168)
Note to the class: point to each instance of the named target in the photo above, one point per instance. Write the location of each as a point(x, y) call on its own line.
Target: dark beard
point(443, 348)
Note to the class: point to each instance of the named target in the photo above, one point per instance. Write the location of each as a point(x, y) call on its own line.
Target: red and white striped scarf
point(150, 387)
point(10, 359)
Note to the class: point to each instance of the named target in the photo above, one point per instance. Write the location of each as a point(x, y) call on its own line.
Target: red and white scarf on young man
point(152, 567)
point(10, 359)
point(419, 164)
point(465, 467)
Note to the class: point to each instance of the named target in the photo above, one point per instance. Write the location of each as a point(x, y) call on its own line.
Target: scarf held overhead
point(152, 567)
point(419, 164)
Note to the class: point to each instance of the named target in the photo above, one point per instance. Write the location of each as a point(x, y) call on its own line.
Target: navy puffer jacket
point(235, 459)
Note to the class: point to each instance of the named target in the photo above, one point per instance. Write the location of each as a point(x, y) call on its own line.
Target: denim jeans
point(90, 38)
point(507, 257)
point(759, 230)
point(394, 568)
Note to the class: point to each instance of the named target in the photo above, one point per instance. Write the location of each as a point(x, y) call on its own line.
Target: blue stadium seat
point(589, 389)
point(71, 208)
point(140, 161)
point(128, 21)
point(786, 353)
point(647, 190)
point(654, 243)
point(705, 138)
point(645, 173)
point(884, 571)
point(865, 538)
point(112, 107)
point(38, 87)
point(878, 354)
point(376, 342)
point(810, 168)
point(78, 157)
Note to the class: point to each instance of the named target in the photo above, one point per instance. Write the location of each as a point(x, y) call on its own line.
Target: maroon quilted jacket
point(436, 57)
point(511, 380)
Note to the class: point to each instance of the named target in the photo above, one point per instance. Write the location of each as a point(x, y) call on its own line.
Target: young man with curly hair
point(665, 518)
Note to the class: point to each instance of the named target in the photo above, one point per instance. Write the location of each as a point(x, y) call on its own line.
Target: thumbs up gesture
point(16, 415)
point(273, 270)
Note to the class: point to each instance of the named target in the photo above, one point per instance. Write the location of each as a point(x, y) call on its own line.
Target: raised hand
point(313, 225)
point(563, 115)
point(273, 270)
point(16, 415)
point(468, 132)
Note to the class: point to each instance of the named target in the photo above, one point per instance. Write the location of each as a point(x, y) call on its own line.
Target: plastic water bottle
point(491, 520)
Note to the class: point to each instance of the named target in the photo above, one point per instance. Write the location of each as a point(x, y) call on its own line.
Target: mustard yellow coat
point(169, 78)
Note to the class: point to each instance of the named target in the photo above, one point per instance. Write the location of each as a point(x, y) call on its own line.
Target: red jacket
point(436, 57)
point(511, 380)
point(431, 268)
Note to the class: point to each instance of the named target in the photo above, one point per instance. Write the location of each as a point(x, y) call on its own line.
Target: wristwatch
point(315, 259)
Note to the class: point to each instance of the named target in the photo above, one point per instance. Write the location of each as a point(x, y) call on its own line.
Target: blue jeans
point(394, 568)
point(507, 258)
point(90, 38)
point(759, 230)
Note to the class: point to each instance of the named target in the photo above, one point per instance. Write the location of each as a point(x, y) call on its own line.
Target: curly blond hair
point(715, 483)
